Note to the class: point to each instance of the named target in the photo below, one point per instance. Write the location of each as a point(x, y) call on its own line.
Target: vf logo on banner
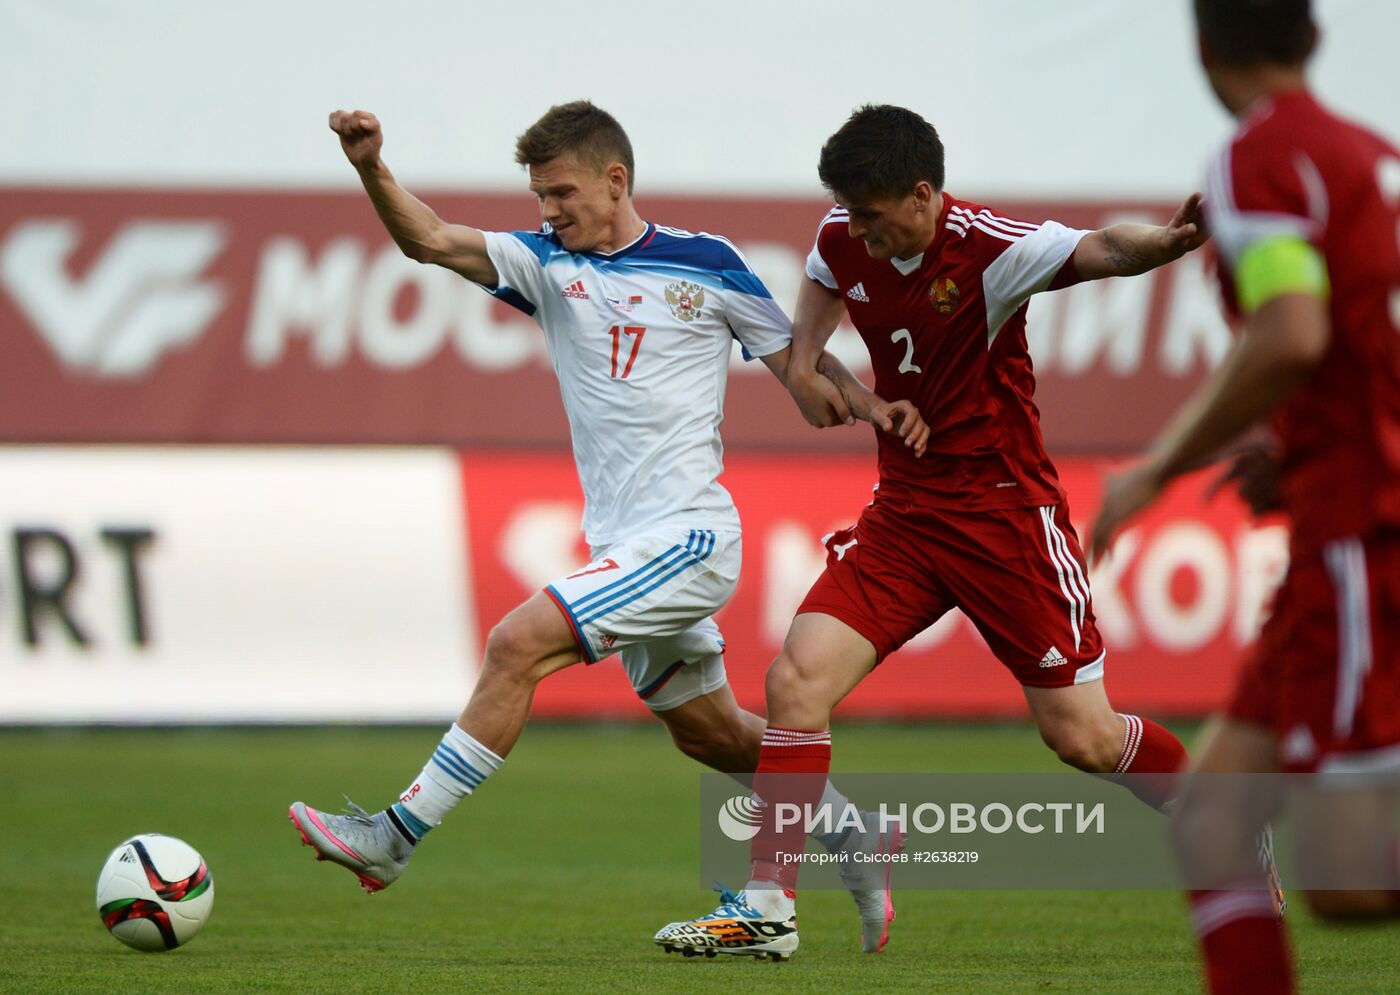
point(141, 297)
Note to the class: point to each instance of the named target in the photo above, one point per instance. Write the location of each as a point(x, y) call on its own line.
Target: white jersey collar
point(907, 266)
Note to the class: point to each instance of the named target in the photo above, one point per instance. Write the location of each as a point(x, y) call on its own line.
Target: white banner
point(1094, 98)
point(212, 584)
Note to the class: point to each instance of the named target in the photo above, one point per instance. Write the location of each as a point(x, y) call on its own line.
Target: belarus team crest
point(943, 294)
point(686, 300)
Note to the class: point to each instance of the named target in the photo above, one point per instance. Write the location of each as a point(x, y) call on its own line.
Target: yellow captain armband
point(1285, 264)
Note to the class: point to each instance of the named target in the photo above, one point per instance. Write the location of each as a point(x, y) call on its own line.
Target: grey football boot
point(868, 879)
point(367, 844)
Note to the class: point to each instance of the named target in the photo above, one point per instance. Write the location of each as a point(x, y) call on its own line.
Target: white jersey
point(640, 339)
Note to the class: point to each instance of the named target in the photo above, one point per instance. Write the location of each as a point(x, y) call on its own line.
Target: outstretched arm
point(1129, 249)
point(414, 226)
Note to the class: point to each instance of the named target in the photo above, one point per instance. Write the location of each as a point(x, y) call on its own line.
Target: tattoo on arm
point(835, 378)
point(1124, 257)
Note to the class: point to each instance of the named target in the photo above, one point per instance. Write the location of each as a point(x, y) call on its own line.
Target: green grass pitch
point(553, 878)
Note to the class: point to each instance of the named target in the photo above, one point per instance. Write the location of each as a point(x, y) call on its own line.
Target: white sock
point(770, 900)
point(457, 768)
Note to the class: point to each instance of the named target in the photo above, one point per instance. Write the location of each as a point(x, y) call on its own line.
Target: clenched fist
point(360, 136)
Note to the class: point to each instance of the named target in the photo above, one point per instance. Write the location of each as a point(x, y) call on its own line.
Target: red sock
point(1150, 749)
point(1242, 942)
point(785, 753)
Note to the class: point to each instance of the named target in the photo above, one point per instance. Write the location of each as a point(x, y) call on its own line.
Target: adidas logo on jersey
point(1054, 658)
point(575, 291)
point(857, 293)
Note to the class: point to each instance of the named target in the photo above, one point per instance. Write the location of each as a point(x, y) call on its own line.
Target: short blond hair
point(578, 127)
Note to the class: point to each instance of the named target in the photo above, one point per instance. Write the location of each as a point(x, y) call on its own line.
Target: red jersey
point(947, 331)
point(1294, 168)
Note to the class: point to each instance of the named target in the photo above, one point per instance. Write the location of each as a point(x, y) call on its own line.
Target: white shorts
point(650, 598)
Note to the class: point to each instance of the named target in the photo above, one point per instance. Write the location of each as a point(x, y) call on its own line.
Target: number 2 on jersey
point(907, 365)
point(617, 332)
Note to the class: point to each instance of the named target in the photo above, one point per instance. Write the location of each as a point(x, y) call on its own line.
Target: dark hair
point(1245, 33)
point(880, 153)
point(590, 133)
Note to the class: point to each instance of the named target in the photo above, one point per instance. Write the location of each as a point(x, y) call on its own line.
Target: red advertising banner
point(256, 316)
point(1178, 602)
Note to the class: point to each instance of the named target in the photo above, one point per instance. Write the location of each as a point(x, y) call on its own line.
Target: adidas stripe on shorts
point(650, 598)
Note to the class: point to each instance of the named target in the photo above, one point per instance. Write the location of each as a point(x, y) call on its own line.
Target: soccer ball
point(154, 892)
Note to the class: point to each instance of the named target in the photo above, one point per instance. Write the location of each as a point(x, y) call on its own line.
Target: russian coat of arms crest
point(686, 300)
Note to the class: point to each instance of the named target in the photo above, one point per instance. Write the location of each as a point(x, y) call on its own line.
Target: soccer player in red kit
point(1303, 208)
point(937, 288)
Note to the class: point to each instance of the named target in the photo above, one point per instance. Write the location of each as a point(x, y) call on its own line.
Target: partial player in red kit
point(937, 288)
point(1303, 208)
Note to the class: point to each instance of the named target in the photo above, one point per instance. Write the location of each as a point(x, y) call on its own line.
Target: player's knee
point(1083, 747)
point(1078, 753)
point(791, 682)
point(782, 680)
point(509, 653)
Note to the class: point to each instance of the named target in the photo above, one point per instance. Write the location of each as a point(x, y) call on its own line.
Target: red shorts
point(1325, 674)
point(1017, 573)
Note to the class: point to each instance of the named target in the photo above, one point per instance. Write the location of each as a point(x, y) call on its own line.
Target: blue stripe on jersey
point(669, 252)
point(689, 249)
point(697, 550)
point(605, 591)
point(451, 761)
point(542, 244)
point(714, 279)
point(745, 282)
point(712, 253)
point(513, 297)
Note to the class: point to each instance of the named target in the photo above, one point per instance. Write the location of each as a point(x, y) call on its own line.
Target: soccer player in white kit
point(639, 320)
